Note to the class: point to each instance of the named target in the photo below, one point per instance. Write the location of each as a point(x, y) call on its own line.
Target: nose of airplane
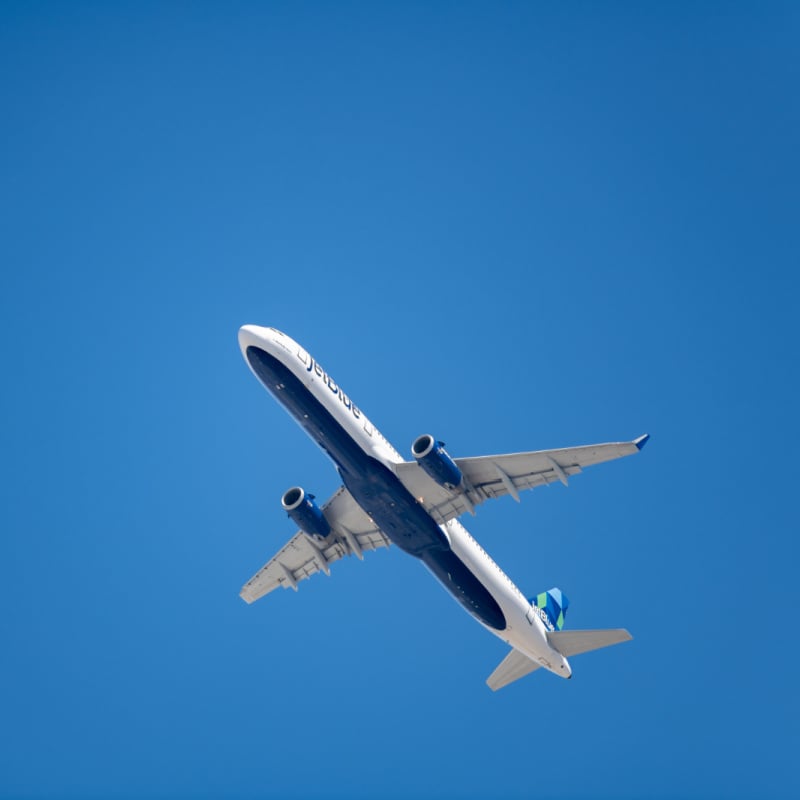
point(249, 335)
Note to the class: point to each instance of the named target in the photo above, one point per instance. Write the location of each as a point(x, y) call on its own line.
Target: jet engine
point(433, 458)
point(305, 513)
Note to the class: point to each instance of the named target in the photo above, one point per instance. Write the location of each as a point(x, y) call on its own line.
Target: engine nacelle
point(433, 458)
point(305, 513)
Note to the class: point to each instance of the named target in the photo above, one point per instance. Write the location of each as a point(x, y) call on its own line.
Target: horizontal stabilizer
point(513, 667)
point(572, 643)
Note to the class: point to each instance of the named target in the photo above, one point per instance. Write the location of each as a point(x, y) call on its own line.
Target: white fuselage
point(525, 629)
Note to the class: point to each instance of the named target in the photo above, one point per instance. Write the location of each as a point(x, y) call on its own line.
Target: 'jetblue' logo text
point(543, 617)
point(311, 364)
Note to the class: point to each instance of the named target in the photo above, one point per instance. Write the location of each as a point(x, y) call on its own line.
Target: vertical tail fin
point(554, 604)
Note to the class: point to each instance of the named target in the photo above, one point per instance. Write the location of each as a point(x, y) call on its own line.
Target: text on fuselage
point(312, 365)
point(543, 617)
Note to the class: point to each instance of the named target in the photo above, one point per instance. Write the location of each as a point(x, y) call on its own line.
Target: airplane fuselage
point(367, 463)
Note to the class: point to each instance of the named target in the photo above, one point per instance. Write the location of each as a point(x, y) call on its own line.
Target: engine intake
point(434, 459)
point(305, 513)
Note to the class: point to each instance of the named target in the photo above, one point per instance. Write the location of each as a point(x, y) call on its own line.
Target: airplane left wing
point(352, 532)
point(486, 477)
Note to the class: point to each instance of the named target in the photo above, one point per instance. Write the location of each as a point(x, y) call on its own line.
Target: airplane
point(385, 500)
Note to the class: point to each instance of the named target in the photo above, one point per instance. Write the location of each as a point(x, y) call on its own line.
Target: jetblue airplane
point(415, 505)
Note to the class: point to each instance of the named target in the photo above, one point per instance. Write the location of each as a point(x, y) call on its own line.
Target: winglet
point(641, 441)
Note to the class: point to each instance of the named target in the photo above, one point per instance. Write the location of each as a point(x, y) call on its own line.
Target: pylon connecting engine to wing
point(434, 459)
point(305, 513)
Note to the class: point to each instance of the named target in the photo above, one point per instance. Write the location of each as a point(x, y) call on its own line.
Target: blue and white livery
point(415, 505)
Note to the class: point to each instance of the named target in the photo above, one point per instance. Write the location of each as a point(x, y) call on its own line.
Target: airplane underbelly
point(378, 491)
point(307, 410)
point(462, 583)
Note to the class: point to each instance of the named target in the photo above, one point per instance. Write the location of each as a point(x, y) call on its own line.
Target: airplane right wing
point(352, 532)
point(487, 477)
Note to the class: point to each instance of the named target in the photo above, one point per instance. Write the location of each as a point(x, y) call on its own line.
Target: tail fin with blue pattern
point(554, 604)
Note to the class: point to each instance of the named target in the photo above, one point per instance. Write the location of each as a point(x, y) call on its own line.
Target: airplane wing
point(352, 532)
point(486, 477)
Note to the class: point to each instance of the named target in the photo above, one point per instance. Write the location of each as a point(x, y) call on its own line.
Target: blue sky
point(515, 226)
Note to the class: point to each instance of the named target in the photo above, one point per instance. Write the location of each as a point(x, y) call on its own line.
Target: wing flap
point(514, 666)
point(573, 643)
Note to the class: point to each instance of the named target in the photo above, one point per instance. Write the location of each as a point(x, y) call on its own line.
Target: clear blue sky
point(513, 225)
